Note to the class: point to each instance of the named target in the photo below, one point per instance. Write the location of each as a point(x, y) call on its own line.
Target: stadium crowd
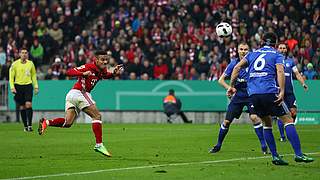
point(154, 39)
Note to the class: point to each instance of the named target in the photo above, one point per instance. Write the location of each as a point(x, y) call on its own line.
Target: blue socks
point(270, 140)
point(293, 137)
point(258, 128)
point(281, 128)
point(222, 133)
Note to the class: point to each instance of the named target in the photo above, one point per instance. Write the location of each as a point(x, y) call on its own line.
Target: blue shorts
point(236, 106)
point(290, 100)
point(264, 105)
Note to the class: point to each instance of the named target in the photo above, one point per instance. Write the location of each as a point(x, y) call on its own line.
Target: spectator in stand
point(310, 73)
point(36, 52)
point(174, 29)
point(146, 68)
point(2, 56)
point(49, 75)
point(56, 33)
point(160, 69)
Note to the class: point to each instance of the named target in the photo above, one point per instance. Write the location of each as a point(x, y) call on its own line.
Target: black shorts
point(236, 106)
point(264, 105)
point(24, 93)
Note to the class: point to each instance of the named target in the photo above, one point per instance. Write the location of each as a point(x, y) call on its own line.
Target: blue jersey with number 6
point(262, 70)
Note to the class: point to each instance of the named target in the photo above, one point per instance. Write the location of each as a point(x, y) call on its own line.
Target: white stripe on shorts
point(285, 107)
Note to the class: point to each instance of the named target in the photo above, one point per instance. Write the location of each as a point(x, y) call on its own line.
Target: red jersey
point(86, 84)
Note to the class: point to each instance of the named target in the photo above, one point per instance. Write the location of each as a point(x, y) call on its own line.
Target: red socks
point(97, 130)
point(57, 122)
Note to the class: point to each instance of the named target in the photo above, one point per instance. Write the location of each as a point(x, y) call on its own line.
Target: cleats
point(101, 149)
point(215, 149)
point(42, 126)
point(277, 160)
point(283, 139)
point(304, 158)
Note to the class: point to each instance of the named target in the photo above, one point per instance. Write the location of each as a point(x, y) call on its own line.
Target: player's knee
point(28, 105)
point(226, 123)
point(255, 119)
point(293, 112)
point(286, 119)
point(97, 116)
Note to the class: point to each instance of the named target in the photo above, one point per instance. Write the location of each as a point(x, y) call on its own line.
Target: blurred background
point(154, 39)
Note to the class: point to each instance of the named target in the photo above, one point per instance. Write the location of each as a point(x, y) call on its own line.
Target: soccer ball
point(223, 29)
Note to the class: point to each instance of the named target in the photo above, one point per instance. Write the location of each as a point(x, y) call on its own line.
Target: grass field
point(150, 151)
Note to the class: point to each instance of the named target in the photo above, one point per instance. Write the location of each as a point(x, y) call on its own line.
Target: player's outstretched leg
point(258, 128)
point(224, 128)
point(294, 140)
point(281, 130)
point(94, 113)
point(58, 122)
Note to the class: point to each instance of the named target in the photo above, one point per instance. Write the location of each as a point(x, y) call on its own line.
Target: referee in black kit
point(22, 76)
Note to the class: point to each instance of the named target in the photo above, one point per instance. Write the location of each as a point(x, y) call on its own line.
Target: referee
point(22, 76)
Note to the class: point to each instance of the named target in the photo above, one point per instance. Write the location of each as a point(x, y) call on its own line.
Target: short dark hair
point(100, 52)
point(171, 91)
point(23, 48)
point(270, 39)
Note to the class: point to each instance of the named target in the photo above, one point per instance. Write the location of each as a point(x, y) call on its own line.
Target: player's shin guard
point(24, 117)
point(281, 129)
point(258, 128)
point(57, 122)
point(222, 134)
point(270, 140)
point(293, 137)
point(97, 130)
point(29, 113)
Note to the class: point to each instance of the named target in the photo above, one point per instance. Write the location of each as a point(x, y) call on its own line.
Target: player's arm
point(234, 75)
point(12, 73)
point(34, 79)
point(79, 71)
point(222, 81)
point(236, 70)
point(300, 78)
point(281, 82)
point(116, 72)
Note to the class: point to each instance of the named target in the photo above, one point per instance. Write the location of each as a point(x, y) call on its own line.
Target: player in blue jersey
point(265, 66)
point(289, 97)
point(238, 101)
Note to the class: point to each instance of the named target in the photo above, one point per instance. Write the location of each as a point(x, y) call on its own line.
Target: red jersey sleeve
point(78, 71)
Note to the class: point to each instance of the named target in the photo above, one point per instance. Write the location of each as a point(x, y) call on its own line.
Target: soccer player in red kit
point(79, 98)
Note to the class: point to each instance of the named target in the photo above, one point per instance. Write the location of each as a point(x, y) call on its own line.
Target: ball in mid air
point(223, 29)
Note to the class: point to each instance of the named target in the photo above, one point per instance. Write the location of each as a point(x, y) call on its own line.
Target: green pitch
point(150, 151)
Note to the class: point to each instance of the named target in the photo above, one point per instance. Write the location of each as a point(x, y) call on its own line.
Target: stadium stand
point(176, 37)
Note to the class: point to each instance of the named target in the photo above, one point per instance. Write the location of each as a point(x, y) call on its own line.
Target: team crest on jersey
point(287, 64)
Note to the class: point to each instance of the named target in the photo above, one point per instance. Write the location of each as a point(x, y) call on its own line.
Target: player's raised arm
point(79, 71)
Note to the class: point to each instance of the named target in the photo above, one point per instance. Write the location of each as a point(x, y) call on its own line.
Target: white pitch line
point(145, 167)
